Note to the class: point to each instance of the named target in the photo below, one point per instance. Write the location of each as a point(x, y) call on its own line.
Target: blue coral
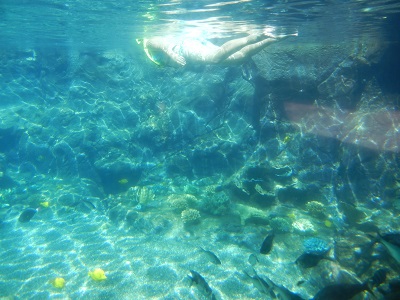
point(316, 246)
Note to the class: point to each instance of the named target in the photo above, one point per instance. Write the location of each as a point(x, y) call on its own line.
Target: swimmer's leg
point(233, 46)
point(249, 50)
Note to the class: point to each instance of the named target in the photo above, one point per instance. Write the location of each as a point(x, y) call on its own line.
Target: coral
point(190, 216)
point(316, 209)
point(178, 204)
point(303, 226)
point(316, 246)
point(216, 203)
point(280, 225)
point(181, 202)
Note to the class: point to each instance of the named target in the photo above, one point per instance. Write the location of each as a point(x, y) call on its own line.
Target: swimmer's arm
point(165, 47)
point(180, 60)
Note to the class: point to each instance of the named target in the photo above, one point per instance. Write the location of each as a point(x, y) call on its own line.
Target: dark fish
point(83, 203)
point(88, 204)
point(392, 243)
point(253, 260)
point(309, 260)
point(267, 243)
point(27, 215)
point(392, 292)
point(201, 284)
point(342, 291)
point(211, 256)
point(378, 278)
point(300, 282)
point(281, 292)
point(261, 284)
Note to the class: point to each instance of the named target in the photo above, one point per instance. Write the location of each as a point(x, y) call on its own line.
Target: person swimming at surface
point(166, 51)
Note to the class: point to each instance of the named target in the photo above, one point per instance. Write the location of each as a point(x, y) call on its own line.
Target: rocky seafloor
point(141, 166)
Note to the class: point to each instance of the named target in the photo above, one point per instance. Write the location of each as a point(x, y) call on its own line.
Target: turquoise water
point(134, 168)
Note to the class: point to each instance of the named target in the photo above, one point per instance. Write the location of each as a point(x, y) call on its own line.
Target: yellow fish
point(45, 204)
point(97, 274)
point(287, 139)
point(58, 282)
point(123, 181)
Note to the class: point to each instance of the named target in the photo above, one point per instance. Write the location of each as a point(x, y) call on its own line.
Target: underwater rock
point(350, 290)
point(340, 291)
point(86, 169)
point(358, 254)
point(6, 182)
point(38, 155)
point(74, 200)
point(9, 138)
point(274, 65)
point(392, 290)
point(179, 165)
point(111, 172)
point(378, 277)
point(250, 215)
point(292, 194)
point(342, 83)
point(66, 161)
point(131, 217)
point(118, 213)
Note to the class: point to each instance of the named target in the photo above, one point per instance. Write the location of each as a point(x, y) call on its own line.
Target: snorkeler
point(165, 51)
